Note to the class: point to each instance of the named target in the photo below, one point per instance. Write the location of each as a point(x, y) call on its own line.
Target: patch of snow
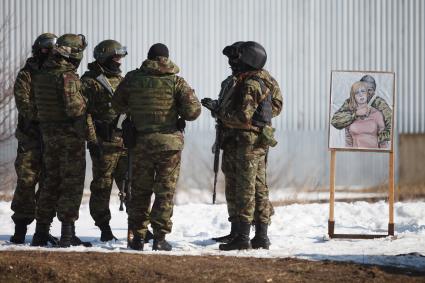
point(298, 230)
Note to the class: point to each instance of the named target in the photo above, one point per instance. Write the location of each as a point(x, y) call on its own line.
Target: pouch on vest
point(267, 136)
point(264, 112)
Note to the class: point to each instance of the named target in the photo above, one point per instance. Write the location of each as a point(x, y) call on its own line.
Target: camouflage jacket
point(240, 96)
point(27, 131)
point(99, 103)
point(345, 116)
point(155, 93)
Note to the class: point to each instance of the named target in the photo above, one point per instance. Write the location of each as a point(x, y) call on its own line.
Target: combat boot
point(136, 243)
point(106, 233)
point(148, 236)
point(53, 240)
point(160, 244)
point(75, 241)
point(241, 242)
point(20, 232)
point(66, 235)
point(260, 240)
point(228, 238)
point(41, 235)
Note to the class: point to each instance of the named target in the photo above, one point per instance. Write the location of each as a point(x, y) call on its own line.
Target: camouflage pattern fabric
point(156, 97)
point(156, 162)
point(244, 155)
point(344, 116)
point(112, 165)
point(244, 169)
point(153, 173)
point(22, 90)
point(236, 108)
point(64, 161)
point(229, 83)
point(28, 163)
point(276, 94)
point(60, 106)
point(28, 166)
point(58, 92)
point(99, 98)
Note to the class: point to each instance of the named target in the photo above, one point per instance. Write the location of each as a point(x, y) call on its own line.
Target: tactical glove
point(210, 104)
point(95, 149)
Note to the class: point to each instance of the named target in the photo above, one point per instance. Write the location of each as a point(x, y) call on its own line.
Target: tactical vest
point(231, 99)
point(102, 109)
point(48, 93)
point(152, 103)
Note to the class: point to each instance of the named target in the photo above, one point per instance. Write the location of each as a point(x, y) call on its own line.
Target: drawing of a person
point(345, 116)
point(368, 124)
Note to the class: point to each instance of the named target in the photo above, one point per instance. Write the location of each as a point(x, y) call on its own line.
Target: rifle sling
point(105, 83)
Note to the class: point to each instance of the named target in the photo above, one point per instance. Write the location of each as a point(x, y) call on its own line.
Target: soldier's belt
point(250, 129)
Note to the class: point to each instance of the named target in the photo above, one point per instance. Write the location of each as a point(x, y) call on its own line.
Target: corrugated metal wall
point(305, 40)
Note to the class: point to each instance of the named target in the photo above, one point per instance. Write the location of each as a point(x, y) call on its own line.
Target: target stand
point(331, 221)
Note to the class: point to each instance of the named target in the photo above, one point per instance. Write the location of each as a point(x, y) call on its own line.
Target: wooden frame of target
point(361, 118)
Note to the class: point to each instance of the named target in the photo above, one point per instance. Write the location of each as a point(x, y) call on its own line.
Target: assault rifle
point(216, 158)
point(129, 133)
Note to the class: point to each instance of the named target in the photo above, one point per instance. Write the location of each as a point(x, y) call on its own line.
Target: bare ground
point(37, 266)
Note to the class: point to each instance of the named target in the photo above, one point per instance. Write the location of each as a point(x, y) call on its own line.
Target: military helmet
point(233, 51)
point(108, 48)
point(71, 45)
point(253, 54)
point(370, 80)
point(44, 41)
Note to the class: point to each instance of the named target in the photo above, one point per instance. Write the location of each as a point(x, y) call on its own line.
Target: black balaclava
point(41, 57)
point(239, 67)
point(111, 66)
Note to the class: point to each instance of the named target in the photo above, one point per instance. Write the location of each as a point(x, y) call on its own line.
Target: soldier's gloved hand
point(210, 104)
point(95, 149)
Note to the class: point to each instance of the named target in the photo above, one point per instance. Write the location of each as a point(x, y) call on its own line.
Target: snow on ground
point(298, 230)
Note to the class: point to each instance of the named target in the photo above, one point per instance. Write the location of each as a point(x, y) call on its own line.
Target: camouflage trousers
point(244, 168)
point(111, 166)
point(64, 162)
point(28, 165)
point(153, 173)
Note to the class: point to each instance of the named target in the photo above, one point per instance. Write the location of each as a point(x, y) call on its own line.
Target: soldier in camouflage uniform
point(61, 111)
point(28, 164)
point(246, 105)
point(158, 102)
point(346, 115)
point(109, 160)
point(263, 208)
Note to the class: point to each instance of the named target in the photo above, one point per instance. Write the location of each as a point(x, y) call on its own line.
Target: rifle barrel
point(215, 185)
